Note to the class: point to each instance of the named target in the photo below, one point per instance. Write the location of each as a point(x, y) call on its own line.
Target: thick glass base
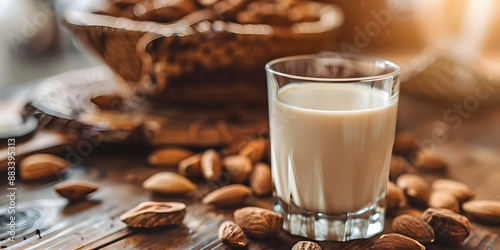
point(361, 224)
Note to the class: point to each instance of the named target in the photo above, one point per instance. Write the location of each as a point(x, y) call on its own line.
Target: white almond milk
point(331, 145)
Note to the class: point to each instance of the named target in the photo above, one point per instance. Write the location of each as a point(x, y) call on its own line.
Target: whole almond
point(151, 214)
point(405, 142)
point(75, 190)
point(254, 150)
point(398, 167)
point(461, 191)
point(110, 120)
point(306, 245)
point(395, 198)
point(168, 156)
point(444, 199)
point(258, 222)
point(260, 179)
point(168, 183)
point(483, 211)
point(413, 227)
point(190, 167)
point(40, 166)
point(210, 165)
point(238, 167)
point(417, 189)
point(232, 235)
point(394, 241)
point(427, 160)
point(449, 227)
point(228, 196)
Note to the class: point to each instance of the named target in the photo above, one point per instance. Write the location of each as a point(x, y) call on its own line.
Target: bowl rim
point(80, 14)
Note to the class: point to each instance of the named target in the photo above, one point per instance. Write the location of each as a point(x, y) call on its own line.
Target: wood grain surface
point(472, 148)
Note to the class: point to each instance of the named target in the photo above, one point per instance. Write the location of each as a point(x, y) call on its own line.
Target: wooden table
point(472, 148)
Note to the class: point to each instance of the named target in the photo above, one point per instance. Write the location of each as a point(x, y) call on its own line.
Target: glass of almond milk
point(332, 124)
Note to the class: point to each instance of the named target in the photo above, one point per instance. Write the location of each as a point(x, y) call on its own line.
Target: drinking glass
point(332, 125)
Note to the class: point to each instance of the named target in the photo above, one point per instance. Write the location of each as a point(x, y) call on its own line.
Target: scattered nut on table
point(41, 166)
point(258, 222)
point(151, 214)
point(75, 190)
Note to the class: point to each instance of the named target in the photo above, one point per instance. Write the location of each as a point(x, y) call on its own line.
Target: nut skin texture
point(430, 161)
point(444, 199)
point(483, 211)
point(168, 156)
point(168, 183)
point(449, 227)
point(260, 179)
point(232, 235)
point(258, 222)
point(41, 166)
point(461, 191)
point(254, 150)
point(306, 245)
point(151, 214)
point(211, 165)
point(396, 241)
point(238, 167)
point(416, 188)
point(413, 227)
point(228, 196)
point(190, 167)
point(395, 198)
point(75, 190)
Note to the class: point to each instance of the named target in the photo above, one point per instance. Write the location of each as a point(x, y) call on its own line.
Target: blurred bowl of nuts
point(200, 51)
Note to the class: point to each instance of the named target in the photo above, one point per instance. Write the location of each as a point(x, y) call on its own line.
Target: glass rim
point(396, 68)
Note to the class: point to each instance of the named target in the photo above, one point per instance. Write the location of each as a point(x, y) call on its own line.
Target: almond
point(254, 150)
point(75, 190)
point(396, 241)
point(258, 222)
point(210, 165)
point(405, 142)
point(413, 227)
point(449, 227)
point(483, 211)
point(111, 120)
point(427, 160)
point(168, 156)
point(40, 166)
point(260, 179)
point(151, 214)
point(238, 167)
point(228, 196)
point(168, 183)
point(398, 167)
point(190, 167)
point(306, 245)
point(444, 199)
point(232, 235)
point(417, 189)
point(461, 191)
point(395, 198)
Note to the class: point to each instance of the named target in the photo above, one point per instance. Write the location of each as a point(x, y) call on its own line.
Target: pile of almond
point(428, 212)
point(240, 166)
